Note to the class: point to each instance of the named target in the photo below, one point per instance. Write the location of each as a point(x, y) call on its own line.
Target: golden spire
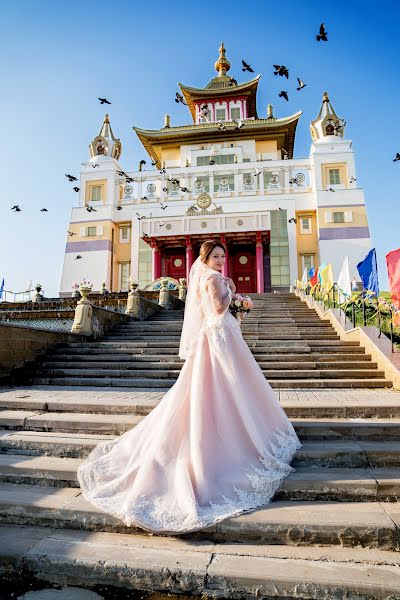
point(222, 65)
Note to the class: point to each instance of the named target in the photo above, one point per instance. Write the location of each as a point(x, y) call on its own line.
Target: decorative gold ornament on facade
point(105, 144)
point(222, 65)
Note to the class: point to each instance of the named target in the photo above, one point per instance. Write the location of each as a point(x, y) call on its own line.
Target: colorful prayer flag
point(368, 270)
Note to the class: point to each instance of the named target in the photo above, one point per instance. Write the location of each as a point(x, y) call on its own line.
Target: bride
point(217, 445)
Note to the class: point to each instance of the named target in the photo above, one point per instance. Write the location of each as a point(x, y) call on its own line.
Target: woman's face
point(216, 259)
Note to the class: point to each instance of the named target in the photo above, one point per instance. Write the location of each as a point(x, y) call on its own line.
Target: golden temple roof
point(282, 130)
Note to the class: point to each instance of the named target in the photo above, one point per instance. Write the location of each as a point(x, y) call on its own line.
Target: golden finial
point(325, 98)
point(222, 65)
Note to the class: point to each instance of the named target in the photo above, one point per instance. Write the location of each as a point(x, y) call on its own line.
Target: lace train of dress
point(217, 445)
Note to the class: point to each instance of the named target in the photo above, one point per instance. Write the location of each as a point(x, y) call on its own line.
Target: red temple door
point(175, 266)
point(244, 272)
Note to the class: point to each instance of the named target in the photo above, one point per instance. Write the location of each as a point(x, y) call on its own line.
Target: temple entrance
point(174, 263)
point(243, 267)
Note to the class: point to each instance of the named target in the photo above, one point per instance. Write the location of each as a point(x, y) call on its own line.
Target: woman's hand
point(231, 284)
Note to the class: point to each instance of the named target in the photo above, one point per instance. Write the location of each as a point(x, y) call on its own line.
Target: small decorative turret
point(327, 123)
point(222, 65)
point(105, 144)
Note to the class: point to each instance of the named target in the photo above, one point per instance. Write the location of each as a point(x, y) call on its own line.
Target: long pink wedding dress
point(217, 445)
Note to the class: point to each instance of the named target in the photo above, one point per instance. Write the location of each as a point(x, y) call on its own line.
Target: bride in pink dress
point(217, 445)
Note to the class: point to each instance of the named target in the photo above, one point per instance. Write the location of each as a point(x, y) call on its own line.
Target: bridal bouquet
point(240, 304)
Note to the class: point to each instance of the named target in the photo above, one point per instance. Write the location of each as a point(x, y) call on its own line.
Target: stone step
point(125, 358)
point(326, 454)
point(197, 567)
point(306, 483)
point(268, 335)
point(283, 363)
point(297, 404)
point(118, 421)
point(153, 383)
point(285, 522)
point(332, 371)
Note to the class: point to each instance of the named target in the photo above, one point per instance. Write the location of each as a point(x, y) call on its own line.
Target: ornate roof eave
point(281, 129)
point(249, 88)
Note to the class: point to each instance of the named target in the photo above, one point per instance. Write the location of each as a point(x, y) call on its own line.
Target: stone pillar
point(259, 263)
point(156, 263)
point(83, 314)
point(225, 269)
point(189, 256)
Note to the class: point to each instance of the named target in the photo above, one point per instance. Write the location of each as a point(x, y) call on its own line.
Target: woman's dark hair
point(207, 247)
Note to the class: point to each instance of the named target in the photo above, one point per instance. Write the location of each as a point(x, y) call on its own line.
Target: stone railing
point(20, 344)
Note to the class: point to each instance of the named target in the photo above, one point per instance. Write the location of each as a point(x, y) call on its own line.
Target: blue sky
point(56, 58)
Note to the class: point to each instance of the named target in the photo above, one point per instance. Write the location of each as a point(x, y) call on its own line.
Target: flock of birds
point(279, 70)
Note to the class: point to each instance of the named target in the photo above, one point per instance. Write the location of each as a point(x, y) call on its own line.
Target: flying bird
point(163, 206)
point(119, 208)
point(162, 172)
point(285, 153)
point(179, 98)
point(129, 180)
point(239, 123)
point(301, 84)
point(331, 190)
point(211, 162)
point(353, 179)
point(193, 207)
point(71, 233)
point(43, 210)
point(232, 81)
point(397, 157)
point(142, 162)
point(122, 173)
point(104, 101)
point(76, 189)
point(140, 217)
point(284, 94)
point(247, 67)
point(322, 33)
point(16, 208)
point(257, 172)
point(94, 165)
point(161, 224)
point(293, 181)
point(221, 126)
point(91, 209)
point(292, 220)
point(165, 189)
point(71, 177)
point(153, 161)
point(186, 190)
point(78, 256)
point(281, 70)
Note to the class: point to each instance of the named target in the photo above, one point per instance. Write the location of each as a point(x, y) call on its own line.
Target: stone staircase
point(331, 531)
point(292, 345)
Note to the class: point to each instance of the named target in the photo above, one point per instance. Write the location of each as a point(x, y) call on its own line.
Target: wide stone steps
point(198, 567)
point(158, 365)
point(310, 383)
point(327, 453)
point(116, 423)
point(339, 484)
point(285, 522)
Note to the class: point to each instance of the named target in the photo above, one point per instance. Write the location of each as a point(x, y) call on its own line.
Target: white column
point(291, 213)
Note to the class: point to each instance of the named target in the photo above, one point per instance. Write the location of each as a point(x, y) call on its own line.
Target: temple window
point(219, 159)
point(224, 183)
point(329, 129)
point(338, 217)
point(305, 225)
point(95, 193)
point(123, 276)
point(91, 231)
point(307, 261)
point(334, 176)
point(124, 234)
point(220, 114)
point(235, 113)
